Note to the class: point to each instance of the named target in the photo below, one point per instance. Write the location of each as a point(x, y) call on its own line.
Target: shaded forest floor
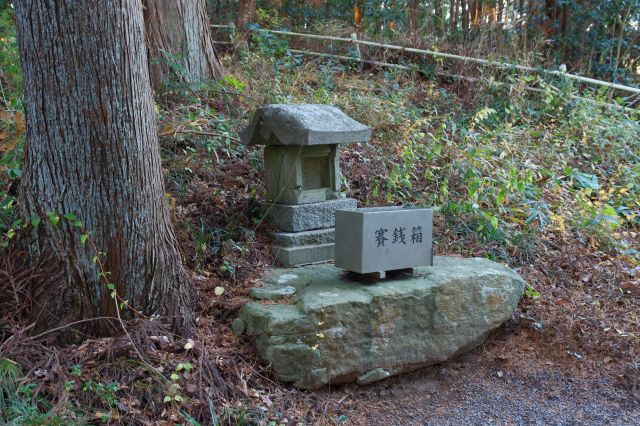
point(508, 173)
point(546, 185)
point(513, 379)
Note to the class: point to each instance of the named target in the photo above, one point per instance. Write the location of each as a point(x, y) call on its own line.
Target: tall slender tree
point(179, 41)
point(464, 10)
point(358, 13)
point(453, 15)
point(92, 150)
point(413, 15)
point(246, 10)
point(438, 17)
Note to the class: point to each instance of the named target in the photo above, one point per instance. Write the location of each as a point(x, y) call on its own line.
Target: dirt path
point(506, 381)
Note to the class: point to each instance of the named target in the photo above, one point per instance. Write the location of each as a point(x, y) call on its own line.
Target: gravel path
point(457, 396)
point(493, 386)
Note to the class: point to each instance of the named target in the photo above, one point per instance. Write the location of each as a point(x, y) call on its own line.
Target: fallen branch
point(71, 324)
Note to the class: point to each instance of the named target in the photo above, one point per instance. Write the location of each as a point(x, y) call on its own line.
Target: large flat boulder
point(327, 328)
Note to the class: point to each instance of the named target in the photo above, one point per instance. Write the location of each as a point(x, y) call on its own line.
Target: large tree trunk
point(413, 15)
point(246, 10)
point(92, 150)
point(178, 33)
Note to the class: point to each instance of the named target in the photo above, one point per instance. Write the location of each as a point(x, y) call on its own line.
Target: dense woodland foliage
point(596, 38)
point(538, 172)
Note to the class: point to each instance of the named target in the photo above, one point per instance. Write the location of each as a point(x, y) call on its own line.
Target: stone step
point(307, 217)
point(304, 238)
point(303, 255)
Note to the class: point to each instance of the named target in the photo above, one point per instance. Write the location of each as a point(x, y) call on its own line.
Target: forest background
point(539, 172)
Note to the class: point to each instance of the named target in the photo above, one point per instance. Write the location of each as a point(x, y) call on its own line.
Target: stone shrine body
point(302, 167)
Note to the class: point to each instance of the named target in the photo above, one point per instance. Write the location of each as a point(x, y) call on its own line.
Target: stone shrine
point(302, 167)
point(386, 306)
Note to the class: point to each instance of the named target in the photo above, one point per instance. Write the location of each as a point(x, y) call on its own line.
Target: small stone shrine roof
point(303, 124)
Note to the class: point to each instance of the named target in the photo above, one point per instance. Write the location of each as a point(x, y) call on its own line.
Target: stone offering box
point(379, 239)
point(302, 168)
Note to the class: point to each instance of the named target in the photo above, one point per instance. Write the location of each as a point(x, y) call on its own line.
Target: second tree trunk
point(179, 41)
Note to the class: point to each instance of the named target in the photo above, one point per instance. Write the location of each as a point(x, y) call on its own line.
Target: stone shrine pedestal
point(307, 231)
point(317, 325)
point(302, 167)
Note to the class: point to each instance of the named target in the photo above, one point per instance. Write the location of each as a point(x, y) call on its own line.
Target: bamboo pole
point(350, 58)
point(505, 65)
point(486, 62)
point(444, 74)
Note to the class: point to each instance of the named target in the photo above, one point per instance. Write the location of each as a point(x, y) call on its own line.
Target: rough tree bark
point(453, 9)
point(464, 6)
point(413, 15)
point(92, 150)
point(178, 33)
point(438, 18)
point(246, 10)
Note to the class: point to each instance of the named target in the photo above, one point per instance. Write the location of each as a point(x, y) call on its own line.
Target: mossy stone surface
point(272, 293)
point(336, 330)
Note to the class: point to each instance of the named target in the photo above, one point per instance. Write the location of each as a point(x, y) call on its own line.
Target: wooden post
point(354, 38)
point(232, 32)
